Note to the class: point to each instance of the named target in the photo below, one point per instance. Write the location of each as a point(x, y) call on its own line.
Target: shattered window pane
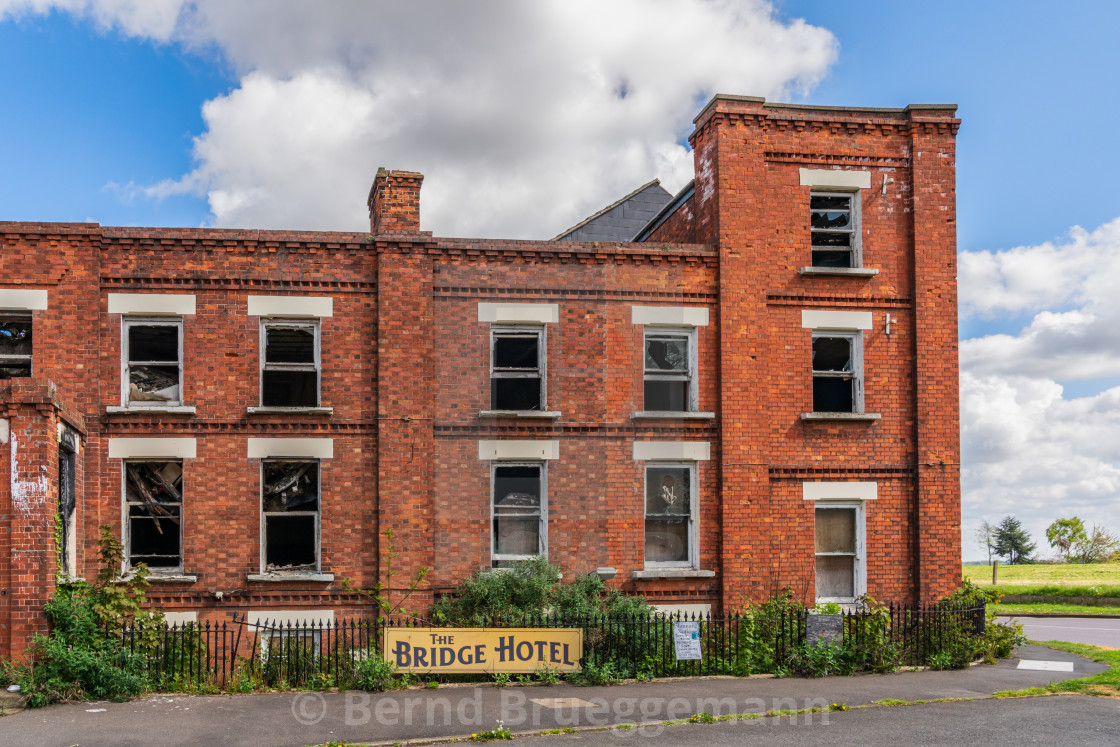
point(515, 380)
point(15, 345)
point(290, 501)
point(834, 379)
point(832, 230)
point(668, 372)
point(517, 513)
point(153, 363)
point(153, 495)
point(668, 527)
point(290, 371)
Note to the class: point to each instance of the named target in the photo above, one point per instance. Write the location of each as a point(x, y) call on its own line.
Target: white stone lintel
point(839, 491)
point(669, 316)
point(311, 448)
point(292, 307)
point(23, 299)
point(518, 313)
point(690, 451)
point(517, 450)
point(152, 304)
point(843, 320)
point(163, 448)
point(847, 179)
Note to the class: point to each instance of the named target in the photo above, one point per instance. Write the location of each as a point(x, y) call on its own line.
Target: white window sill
point(860, 416)
point(160, 578)
point(859, 272)
point(135, 410)
point(541, 414)
point(288, 577)
point(291, 410)
point(672, 573)
point(672, 415)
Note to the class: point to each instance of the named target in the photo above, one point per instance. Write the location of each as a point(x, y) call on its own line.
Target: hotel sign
point(483, 650)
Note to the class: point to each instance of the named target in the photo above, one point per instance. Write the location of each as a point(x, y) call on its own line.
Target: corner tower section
point(838, 355)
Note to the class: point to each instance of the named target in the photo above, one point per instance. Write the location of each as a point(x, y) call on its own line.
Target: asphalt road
point(1067, 719)
point(310, 718)
point(1099, 631)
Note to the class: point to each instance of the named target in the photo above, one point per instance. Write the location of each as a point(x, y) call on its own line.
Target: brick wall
point(405, 367)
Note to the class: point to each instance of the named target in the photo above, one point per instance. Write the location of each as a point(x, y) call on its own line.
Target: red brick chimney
point(394, 202)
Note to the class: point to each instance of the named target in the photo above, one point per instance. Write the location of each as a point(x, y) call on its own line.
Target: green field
point(1069, 574)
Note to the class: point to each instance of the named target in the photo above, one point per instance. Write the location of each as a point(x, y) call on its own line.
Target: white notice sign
point(686, 640)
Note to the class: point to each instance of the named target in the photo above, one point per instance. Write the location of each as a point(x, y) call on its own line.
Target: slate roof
point(620, 220)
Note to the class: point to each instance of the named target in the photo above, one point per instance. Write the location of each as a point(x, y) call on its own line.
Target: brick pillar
point(406, 406)
point(730, 183)
point(394, 202)
point(28, 509)
point(938, 496)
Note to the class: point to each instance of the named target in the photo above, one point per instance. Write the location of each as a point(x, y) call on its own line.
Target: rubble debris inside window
point(153, 363)
point(290, 371)
point(833, 236)
point(67, 499)
point(834, 378)
point(290, 501)
point(667, 372)
point(517, 513)
point(515, 378)
point(154, 500)
point(668, 514)
point(15, 345)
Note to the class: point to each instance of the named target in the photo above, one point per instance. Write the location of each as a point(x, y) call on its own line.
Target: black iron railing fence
point(244, 653)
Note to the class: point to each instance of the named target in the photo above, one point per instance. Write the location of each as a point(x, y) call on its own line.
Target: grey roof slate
point(620, 220)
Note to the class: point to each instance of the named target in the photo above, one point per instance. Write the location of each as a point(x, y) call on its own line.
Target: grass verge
point(1052, 609)
point(1106, 684)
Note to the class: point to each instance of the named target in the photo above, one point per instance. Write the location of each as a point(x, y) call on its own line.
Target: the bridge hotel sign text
point(484, 650)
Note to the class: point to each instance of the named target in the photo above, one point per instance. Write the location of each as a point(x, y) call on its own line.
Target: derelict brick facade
point(405, 382)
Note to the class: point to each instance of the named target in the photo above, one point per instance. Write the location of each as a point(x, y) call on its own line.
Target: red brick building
point(759, 390)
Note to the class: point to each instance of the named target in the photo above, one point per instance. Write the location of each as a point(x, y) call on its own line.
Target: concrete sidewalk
point(312, 718)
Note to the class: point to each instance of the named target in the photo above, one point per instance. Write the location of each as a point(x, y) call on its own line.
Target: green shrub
point(377, 675)
point(593, 674)
point(820, 660)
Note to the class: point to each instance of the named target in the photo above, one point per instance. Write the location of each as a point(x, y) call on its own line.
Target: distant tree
point(986, 538)
point(1098, 546)
point(1013, 542)
point(1064, 534)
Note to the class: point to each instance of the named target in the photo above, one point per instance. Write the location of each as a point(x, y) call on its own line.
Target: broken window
point(290, 509)
point(670, 510)
point(517, 368)
point(67, 499)
point(153, 355)
point(15, 345)
point(837, 553)
point(154, 505)
point(290, 364)
point(519, 516)
point(669, 357)
point(837, 372)
point(834, 219)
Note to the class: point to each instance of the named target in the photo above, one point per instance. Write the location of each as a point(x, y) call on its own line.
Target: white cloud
point(1027, 449)
point(524, 117)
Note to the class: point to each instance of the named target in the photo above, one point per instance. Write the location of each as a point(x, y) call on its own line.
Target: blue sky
point(276, 115)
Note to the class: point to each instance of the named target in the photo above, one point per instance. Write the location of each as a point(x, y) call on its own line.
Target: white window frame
point(126, 521)
point(542, 545)
point(693, 398)
point(21, 314)
point(855, 228)
point(315, 327)
point(127, 322)
point(318, 514)
point(523, 330)
point(859, 566)
point(855, 375)
point(693, 562)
